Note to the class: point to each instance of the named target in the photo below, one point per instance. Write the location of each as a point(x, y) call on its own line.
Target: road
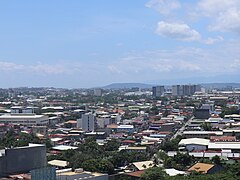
point(180, 131)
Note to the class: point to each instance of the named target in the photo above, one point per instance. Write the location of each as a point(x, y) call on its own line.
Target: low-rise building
point(194, 144)
point(80, 174)
point(201, 134)
point(205, 168)
point(24, 119)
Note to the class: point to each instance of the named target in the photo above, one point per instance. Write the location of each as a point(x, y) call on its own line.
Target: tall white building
point(87, 123)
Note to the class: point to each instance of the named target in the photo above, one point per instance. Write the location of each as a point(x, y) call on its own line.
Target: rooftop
point(58, 163)
point(201, 167)
point(198, 141)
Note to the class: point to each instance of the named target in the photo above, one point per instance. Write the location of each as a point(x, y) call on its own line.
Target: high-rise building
point(185, 90)
point(87, 123)
point(177, 90)
point(98, 92)
point(158, 91)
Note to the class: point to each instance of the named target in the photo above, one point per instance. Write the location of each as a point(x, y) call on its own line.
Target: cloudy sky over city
point(93, 43)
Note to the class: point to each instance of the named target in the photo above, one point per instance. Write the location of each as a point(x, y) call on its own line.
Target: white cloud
point(9, 66)
point(164, 7)
point(179, 31)
point(39, 68)
point(182, 62)
point(227, 21)
point(235, 65)
point(184, 65)
point(215, 7)
point(224, 15)
point(213, 40)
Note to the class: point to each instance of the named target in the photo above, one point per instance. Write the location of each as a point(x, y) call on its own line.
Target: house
point(205, 168)
point(138, 166)
point(135, 175)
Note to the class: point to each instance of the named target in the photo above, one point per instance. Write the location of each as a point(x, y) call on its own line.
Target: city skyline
point(81, 44)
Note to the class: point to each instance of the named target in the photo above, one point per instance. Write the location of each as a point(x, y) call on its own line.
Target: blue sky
point(92, 43)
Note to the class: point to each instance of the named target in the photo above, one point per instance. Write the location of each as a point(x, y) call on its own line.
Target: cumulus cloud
point(164, 7)
point(227, 21)
point(224, 15)
point(215, 7)
point(179, 31)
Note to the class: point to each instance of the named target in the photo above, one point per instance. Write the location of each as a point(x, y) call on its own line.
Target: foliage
point(112, 145)
point(206, 126)
point(154, 173)
point(124, 157)
point(93, 157)
point(171, 145)
point(180, 161)
point(94, 165)
point(229, 111)
point(11, 139)
point(216, 160)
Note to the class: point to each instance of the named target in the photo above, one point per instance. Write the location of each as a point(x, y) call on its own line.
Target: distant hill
point(127, 86)
point(221, 85)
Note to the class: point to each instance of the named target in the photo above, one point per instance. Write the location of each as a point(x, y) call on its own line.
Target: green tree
point(216, 160)
point(206, 126)
point(94, 165)
point(171, 145)
point(112, 145)
point(154, 173)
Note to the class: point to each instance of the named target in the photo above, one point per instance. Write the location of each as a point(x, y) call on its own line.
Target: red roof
point(222, 138)
point(128, 141)
point(136, 173)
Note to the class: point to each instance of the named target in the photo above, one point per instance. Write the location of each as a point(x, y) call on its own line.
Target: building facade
point(158, 91)
point(87, 123)
point(22, 159)
point(24, 119)
point(185, 90)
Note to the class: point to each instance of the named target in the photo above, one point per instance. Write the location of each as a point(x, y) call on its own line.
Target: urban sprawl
point(163, 132)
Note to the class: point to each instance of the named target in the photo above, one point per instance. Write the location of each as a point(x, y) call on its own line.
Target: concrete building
point(87, 123)
point(22, 159)
point(202, 113)
point(24, 119)
point(24, 110)
point(125, 128)
point(158, 91)
point(97, 92)
point(185, 90)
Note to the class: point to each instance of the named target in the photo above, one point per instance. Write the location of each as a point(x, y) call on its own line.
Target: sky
point(81, 44)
